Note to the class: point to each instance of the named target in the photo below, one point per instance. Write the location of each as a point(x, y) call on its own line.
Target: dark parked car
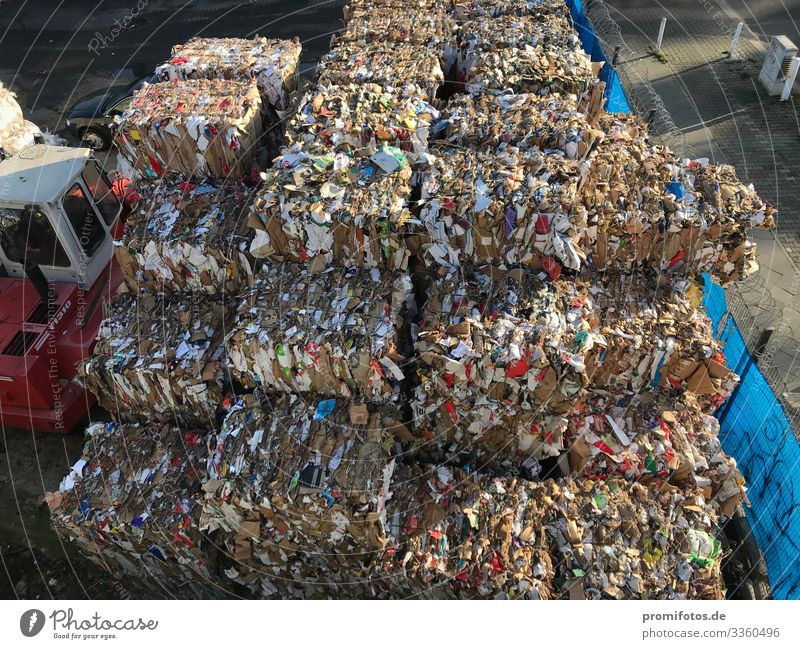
point(90, 118)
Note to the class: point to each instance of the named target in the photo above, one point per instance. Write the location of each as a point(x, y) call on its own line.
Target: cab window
point(87, 226)
point(28, 238)
point(103, 195)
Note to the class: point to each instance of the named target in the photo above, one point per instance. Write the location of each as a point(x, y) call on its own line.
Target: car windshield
point(116, 95)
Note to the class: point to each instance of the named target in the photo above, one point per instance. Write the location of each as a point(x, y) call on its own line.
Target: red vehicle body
point(50, 316)
point(41, 352)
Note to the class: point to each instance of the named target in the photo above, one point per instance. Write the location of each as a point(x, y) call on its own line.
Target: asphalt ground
point(57, 51)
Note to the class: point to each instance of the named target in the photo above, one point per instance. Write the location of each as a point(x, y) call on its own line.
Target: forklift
point(59, 217)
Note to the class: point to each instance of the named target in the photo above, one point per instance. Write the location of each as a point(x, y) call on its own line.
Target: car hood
point(90, 106)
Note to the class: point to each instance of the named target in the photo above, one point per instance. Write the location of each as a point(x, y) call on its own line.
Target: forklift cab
point(57, 215)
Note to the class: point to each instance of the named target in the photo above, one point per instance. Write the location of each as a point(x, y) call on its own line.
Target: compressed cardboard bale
point(504, 359)
point(199, 127)
point(513, 207)
point(490, 435)
point(145, 500)
point(629, 541)
point(651, 440)
point(186, 236)
point(360, 119)
point(159, 356)
point(526, 121)
point(349, 212)
point(506, 334)
point(130, 504)
point(646, 207)
point(421, 7)
point(527, 53)
point(453, 534)
point(396, 23)
point(725, 195)
point(655, 338)
point(316, 474)
point(338, 332)
point(411, 69)
point(617, 213)
point(471, 9)
point(501, 360)
point(614, 211)
point(271, 62)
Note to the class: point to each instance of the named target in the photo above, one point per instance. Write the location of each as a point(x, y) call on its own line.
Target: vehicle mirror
point(34, 273)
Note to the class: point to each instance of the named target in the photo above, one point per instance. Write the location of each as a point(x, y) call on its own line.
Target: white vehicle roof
point(40, 173)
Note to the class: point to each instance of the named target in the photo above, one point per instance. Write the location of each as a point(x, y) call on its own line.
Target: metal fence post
point(660, 35)
point(735, 41)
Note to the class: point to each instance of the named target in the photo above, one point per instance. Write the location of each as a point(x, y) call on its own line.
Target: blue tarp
point(616, 102)
point(755, 430)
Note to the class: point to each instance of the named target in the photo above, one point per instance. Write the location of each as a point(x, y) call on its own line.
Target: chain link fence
point(642, 97)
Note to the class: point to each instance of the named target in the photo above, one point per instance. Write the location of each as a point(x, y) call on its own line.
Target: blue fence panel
point(755, 430)
point(616, 102)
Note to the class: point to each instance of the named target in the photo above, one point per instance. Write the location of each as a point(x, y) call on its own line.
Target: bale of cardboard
point(160, 357)
point(187, 236)
point(338, 332)
point(271, 62)
point(199, 127)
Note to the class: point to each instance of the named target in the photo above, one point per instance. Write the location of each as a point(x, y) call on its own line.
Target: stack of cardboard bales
point(342, 188)
point(208, 118)
point(319, 512)
point(521, 179)
point(533, 428)
point(504, 358)
point(185, 251)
